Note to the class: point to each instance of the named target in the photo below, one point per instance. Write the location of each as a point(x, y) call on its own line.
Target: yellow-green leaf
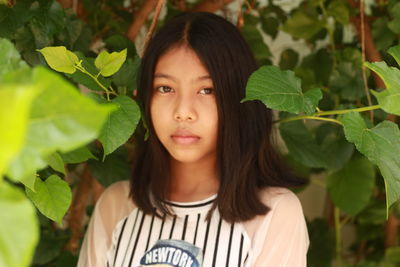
point(108, 64)
point(61, 119)
point(15, 103)
point(60, 59)
point(56, 162)
point(19, 227)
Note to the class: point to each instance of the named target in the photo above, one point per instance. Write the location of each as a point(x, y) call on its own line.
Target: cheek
point(158, 116)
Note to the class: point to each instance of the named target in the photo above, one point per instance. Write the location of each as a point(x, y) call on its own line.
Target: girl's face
point(183, 106)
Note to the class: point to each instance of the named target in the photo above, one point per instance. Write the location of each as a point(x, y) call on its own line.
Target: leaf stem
point(82, 69)
point(338, 230)
point(317, 115)
point(344, 111)
point(295, 118)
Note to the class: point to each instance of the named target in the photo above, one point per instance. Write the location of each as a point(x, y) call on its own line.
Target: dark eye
point(164, 89)
point(206, 91)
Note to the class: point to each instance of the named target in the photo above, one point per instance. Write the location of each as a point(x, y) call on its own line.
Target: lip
point(184, 137)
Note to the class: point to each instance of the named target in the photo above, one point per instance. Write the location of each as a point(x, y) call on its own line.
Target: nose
point(184, 110)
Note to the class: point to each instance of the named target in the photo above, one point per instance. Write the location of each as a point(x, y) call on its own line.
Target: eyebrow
point(166, 76)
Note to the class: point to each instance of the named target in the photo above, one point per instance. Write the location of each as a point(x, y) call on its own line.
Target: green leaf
point(302, 25)
point(322, 240)
point(61, 120)
point(392, 255)
point(56, 162)
point(120, 125)
point(351, 187)
point(19, 229)
point(108, 64)
point(118, 42)
point(311, 100)
point(339, 10)
point(381, 145)
point(374, 213)
point(78, 155)
point(394, 24)
point(347, 81)
point(114, 168)
point(49, 247)
point(60, 59)
point(289, 59)
point(389, 99)
point(270, 25)
point(27, 180)
point(15, 104)
point(395, 52)
point(337, 152)
point(9, 57)
point(301, 144)
point(321, 65)
point(383, 37)
point(52, 197)
point(254, 38)
point(281, 90)
point(13, 18)
point(126, 77)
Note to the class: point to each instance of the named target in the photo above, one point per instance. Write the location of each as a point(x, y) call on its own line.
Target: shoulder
point(118, 189)
point(283, 204)
point(280, 199)
point(115, 200)
point(282, 230)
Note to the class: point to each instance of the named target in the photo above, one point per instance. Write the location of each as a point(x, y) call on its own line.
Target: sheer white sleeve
point(113, 205)
point(281, 239)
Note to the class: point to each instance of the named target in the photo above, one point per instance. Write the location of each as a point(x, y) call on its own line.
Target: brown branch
point(371, 52)
point(140, 18)
point(181, 5)
point(97, 190)
point(210, 5)
point(391, 231)
point(240, 20)
point(77, 209)
point(364, 75)
point(149, 34)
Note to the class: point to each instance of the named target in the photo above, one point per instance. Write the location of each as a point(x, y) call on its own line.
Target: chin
point(187, 157)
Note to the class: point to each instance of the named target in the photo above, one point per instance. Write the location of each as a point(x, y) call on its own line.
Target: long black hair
point(246, 158)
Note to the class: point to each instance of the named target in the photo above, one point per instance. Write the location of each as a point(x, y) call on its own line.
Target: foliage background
point(325, 43)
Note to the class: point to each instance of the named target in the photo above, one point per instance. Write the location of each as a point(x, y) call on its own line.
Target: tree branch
point(371, 52)
point(87, 186)
point(364, 75)
point(77, 209)
point(391, 231)
point(149, 34)
point(210, 5)
point(140, 18)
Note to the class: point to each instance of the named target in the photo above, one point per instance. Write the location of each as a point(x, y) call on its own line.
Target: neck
point(193, 181)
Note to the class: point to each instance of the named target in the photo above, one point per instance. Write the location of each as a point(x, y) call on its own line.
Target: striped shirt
point(221, 243)
point(120, 235)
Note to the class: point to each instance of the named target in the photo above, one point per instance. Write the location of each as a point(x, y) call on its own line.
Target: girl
point(208, 188)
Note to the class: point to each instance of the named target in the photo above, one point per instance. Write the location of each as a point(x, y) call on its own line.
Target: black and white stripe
point(222, 243)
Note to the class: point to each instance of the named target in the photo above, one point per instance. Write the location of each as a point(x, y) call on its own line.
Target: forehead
point(181, 62)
